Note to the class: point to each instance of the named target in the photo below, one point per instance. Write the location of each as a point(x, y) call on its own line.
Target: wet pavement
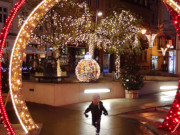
point(126, 116)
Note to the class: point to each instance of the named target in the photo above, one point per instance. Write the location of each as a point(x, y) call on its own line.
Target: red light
point(172, 122)
point(175, 22)
point(176, 120)
point(3, 37)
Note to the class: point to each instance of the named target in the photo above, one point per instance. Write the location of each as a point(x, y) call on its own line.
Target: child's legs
point(96, 123)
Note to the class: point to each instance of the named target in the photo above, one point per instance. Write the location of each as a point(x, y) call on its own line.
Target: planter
point(132, 94)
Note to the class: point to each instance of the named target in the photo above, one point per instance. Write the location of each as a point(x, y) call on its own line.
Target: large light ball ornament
point(87, 70)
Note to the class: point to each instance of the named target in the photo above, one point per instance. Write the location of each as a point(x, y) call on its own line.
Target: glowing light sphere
point(87, 70)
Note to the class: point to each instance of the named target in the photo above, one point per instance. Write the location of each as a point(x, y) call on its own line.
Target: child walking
point(96, 108)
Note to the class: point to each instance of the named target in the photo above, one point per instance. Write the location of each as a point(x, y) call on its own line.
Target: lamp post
point(91, 44)
point(98, 14)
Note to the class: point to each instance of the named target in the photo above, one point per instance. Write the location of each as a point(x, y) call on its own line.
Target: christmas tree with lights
point(131, 77)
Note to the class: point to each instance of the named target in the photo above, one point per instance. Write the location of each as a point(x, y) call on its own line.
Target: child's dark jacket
point(96, 110)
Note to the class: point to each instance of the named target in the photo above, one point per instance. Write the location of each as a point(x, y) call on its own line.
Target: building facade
point(5, 8)
point(168, 39)
point(156, 20)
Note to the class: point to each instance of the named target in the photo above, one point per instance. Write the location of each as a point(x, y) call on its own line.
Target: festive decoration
point(3, 36)
point(151, 39)
point(62, 26)
point(173, 4)
point(59, 72)
point(16, 61)
point(132, 79)
point(87, 70)
point(15, 74)
point(91, 44)
point(172, 120)
point(117, 63)
point(164, 51)
point(118, 34)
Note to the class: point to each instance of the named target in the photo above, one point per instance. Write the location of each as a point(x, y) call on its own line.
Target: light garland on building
point(164, 51)
point(87, 70)
point(3, 36)
point(151, 39)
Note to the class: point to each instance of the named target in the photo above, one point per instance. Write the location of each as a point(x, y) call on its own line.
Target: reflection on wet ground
point(69, 120)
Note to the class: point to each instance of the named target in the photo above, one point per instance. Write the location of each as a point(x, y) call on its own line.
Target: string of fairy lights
point(118, 34)
point(15, 74)
point(174, 4)
point(118, 31)
point(87, 70)
point(172, 120)
point(67, 29)
point(3, 36)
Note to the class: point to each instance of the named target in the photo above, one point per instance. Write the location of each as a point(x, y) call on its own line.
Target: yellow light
point(99, 13)
point(173, 4)
point(143, 31)
point(15, 75)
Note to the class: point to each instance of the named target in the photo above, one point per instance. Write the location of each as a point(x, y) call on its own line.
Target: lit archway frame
point(15, 77)
point(15, 69)
point(3, 36)
point(172, 120)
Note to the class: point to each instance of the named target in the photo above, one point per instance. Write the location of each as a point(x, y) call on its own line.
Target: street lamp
point(98, 14)
point(91, 45)
point(143, 31)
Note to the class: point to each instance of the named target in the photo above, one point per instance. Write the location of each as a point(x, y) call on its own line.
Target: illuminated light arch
point(15, 69)
point(15, 75)
point(3, 36)
point(172, 120)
